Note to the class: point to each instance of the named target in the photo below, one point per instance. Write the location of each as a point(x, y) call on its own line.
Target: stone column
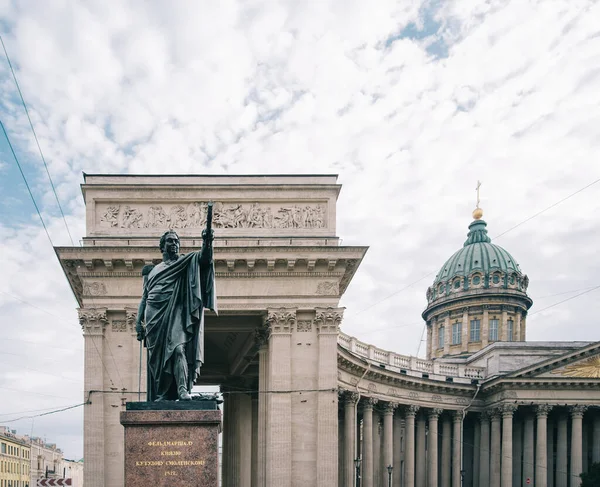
point(447, 334)
point(434, 339)
point(327, 321)
point(503, 331)
point(254, 462)
point(279, 425)
point(517, 331)
point(432, 452)
point(457, 419)
point(484, 450)
point(376, 449)
point(517, 451)
point(507, 430)
point(398, 452)
point(465, 330)
point(388, 434)
point(528, 449)
point(550, 454)
point(429, 341)
point(476, 450)
point(541, 477)
point(596, 439)
point(262, 338)
point(523, 326)
point(495, 450)
point(244, 440)
point(576, 442)
point(93, 322)
point(421, 452)
point(446, 451)
point(350, 400)
point(561, 451)
point(226, 452)
point(367, 462)
point(485, 326)
point(409, 454)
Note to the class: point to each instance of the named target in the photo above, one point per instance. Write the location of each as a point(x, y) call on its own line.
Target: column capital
point(328, 320)
point(369, 402)
point(434, 413)
point(411, 410)
point(349, 397)
point(495, 414)
point(457, 416)
point(507, 410)
point(280, 320)
point(92, 320)
point(261, 337)
point(577, 410)
point(542, 410)
point(389, 407)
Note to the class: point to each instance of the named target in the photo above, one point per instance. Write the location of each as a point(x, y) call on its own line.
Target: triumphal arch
point(280, 272)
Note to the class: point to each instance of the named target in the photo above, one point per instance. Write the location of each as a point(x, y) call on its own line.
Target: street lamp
point(390, 470)
point(357, 462)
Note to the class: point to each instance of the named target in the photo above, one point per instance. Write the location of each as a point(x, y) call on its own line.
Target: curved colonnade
point(486, 432)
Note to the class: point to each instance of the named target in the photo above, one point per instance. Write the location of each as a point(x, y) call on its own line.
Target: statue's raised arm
point(175, 293)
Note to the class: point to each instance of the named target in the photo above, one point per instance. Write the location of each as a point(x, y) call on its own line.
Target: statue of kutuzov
point(171, 315)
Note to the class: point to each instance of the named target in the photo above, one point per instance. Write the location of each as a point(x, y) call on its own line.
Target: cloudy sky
point(410, 102)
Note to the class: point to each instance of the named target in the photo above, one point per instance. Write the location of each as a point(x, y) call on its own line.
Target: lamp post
point(357, 462)
point(390, 469)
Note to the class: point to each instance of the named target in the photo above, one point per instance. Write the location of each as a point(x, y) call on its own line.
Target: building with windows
point(304, 403)
point(14, 459)
point(46, 460)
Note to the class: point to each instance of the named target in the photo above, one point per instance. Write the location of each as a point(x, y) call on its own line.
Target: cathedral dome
point(478, 266)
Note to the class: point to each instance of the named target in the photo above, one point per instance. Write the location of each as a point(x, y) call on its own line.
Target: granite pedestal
point(172, 443)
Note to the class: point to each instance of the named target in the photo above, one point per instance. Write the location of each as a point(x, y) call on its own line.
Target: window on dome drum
point(512, 280)
point(494, 329)
point(476, 280)
point(510, 324)
point(496, 278)
point(456, 333)
point(441, 337)
point(456, 284)
point(475, 330)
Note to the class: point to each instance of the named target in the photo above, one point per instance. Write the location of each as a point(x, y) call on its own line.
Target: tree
point(591, 478)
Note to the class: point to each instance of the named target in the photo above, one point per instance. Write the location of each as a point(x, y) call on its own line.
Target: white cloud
point(312, 87)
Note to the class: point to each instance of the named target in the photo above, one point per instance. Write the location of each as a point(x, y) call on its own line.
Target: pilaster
point(465, 330)
point(485, 326)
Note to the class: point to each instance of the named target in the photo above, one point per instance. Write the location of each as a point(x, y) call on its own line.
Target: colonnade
point(503, 446)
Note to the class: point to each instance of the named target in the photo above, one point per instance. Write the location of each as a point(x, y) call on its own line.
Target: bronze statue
point(176, 291)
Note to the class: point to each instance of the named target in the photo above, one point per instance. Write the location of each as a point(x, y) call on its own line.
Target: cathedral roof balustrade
point(409, 365)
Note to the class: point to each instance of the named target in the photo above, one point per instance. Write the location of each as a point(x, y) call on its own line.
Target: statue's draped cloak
point(176, 295)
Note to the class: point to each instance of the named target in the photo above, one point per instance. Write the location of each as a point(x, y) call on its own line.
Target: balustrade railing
point(406, 362)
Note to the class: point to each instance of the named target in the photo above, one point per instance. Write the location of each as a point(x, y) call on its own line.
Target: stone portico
point(303, 400)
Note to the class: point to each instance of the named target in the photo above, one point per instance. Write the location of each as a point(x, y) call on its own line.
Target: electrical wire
point(36, 139)
point(564, 301)
point(45, 414)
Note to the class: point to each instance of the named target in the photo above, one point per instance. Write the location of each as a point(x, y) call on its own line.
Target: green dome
point(479, 264)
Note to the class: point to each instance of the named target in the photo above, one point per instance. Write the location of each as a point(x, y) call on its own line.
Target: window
point(494, 329)
point(511, 327)
point(441, 337)
point(476, 280)
point(475, 334)
point(456, 333)
point(456, 284)
point(3, 448)
point(496, 278)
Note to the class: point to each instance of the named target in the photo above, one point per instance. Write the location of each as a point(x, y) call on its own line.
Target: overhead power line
point(564, 301)
point(36, 139)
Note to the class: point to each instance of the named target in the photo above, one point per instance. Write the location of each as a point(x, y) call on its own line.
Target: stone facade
point(306, 404)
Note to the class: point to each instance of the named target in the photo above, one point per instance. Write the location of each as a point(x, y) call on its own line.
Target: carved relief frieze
point(94, 288)
point(281, 320)
point(92, 320)
point(328, 320)
point(328, 288)
point(304, 326)
point(119, 326)
point(225, 215)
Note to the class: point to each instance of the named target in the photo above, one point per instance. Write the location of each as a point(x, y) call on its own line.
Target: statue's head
point(169, 242)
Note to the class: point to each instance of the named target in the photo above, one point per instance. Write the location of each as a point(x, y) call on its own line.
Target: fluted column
point(367, 463)
point(561, 450)
point(484, 450)
point(507, 427)
point(528, 449)
point(409, 455)
point(398, 453)
point(541, 467)
point(350, 400)
point(550, 454)
point(388, 434)
point(446, 451)
point(495, 450)
point(421, 453)
point(596, 439)
point(457, 419)
point(576, 444)
point(432, 452)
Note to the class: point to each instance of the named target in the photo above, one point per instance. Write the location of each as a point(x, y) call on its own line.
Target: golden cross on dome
point(477, 189)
